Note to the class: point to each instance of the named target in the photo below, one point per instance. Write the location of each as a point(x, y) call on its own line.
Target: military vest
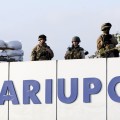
point(75, 53)
point(42, 53)
point(108, 51)
point(106, 40)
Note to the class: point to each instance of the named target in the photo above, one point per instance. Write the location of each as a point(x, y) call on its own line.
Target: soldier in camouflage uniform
point(75, 51)
point(106, 43)
point(42, 51)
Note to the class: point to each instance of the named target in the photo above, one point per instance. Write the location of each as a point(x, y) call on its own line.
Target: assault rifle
point(102, 51)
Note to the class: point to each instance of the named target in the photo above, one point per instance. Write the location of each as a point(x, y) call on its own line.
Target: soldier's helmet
point(106, 26)
point(42, 36)
point(76, 39)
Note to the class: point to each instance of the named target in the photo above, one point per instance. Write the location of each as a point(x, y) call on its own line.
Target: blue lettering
point(8, 93)
point(111, 89)
point(30, 94)
point(61, 91)
point(88, 91)
point(48, 91)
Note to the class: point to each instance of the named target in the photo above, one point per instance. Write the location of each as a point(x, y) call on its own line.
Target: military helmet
point(76, 39)
point(106, 25)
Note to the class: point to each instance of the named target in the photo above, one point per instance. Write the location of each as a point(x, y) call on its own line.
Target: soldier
point(106, 43)
point(42, 51)
point(75, 52)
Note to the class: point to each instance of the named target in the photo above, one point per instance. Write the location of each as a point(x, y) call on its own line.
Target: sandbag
point(2, 44)
point(14, 52)
point(14, 45)
point(3, 53)
point(17, 58)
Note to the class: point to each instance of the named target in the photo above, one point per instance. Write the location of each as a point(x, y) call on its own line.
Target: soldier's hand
point(107, 46)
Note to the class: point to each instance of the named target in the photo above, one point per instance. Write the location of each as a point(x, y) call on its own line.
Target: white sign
point(86, 89)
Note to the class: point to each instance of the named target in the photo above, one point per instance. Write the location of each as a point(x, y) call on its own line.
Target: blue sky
point(25, 20)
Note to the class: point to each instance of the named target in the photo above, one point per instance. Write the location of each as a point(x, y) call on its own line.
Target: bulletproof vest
point(106, 39)
point(75, 53)
point(112, 52)
point(42, 54)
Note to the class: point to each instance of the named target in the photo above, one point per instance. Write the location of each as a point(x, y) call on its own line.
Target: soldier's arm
point(99, 43)
point(82, 54)
point(68, 54)
point(49, 50)
point(33, 54)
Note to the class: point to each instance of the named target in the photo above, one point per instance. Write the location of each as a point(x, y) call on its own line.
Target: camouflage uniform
point(106, 43)
point(75, 53)
point(42, 52)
